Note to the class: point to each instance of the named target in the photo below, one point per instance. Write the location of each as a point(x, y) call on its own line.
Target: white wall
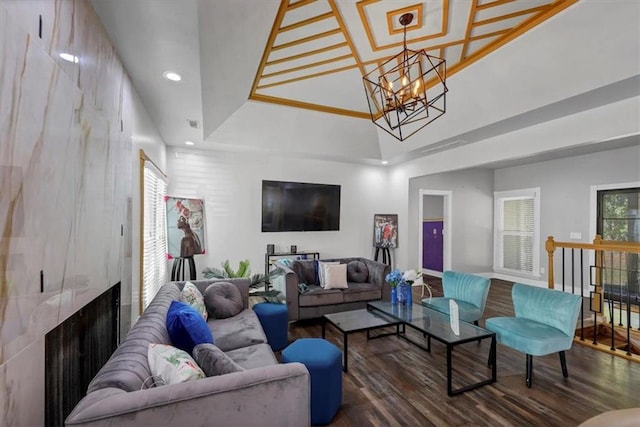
point(471, 217)
point(565, 190)
point(433, 207)
point(231, 185)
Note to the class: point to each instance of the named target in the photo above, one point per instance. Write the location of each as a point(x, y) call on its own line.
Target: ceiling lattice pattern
point(318, 50)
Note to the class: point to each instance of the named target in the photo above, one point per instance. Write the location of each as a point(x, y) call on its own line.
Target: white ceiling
point(565, 57)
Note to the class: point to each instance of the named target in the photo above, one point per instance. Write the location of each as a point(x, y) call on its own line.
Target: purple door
point(432, 245)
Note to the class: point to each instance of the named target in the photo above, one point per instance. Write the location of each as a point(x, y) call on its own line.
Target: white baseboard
point(432, 272)
point(518, 279)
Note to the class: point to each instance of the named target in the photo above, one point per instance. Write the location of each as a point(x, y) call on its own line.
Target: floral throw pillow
point(192, 296)
point(172, 365)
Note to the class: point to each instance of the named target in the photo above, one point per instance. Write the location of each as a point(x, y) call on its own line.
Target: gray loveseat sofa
point(265, 394)
point(318, 301)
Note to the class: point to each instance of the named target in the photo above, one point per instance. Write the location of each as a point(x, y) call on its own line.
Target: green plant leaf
point(227, 268)
point(243, 269)
point(214, 273)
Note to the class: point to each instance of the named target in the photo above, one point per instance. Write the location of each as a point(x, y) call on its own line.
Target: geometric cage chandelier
point(408, 91)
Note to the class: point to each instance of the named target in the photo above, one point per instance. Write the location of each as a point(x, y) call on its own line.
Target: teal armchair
point(469, 292)
point(544, 323)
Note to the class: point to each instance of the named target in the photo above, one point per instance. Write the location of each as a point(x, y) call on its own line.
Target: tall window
point(154, 233)
point(517, 232)
point(619, 220)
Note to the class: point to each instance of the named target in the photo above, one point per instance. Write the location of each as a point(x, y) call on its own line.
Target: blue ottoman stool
point(275, 322)
point(324, 362)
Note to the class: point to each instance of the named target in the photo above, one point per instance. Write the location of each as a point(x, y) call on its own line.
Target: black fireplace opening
point(76, 350)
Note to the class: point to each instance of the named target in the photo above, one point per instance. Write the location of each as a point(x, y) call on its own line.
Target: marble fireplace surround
point(76, 350)
point(65, 185)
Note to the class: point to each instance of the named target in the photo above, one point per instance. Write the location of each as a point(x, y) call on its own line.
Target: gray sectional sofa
point(318, 301)
point(266, 393)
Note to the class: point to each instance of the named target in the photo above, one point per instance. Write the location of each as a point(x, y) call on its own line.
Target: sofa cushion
point(322, 271)
point(171, 365)
point(357, 271)
point(241, 330)
point(254, 356)
point(223, 299)
point(192, 296)
point(362, 292)
point(306, 271)
point(186, 327)
point(320, 296)
point(214, 361)
point(336, 276)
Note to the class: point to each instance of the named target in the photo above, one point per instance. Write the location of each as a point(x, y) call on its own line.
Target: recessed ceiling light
point(384, 162)
point(69, 57)
point(190, 143)
point(170, 75)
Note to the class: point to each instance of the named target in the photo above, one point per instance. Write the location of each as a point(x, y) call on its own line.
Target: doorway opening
point(435, 231)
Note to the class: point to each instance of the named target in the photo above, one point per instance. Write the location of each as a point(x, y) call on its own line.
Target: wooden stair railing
point(572, 279)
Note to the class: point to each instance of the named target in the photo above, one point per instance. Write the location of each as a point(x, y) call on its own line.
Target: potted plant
point(255, 281)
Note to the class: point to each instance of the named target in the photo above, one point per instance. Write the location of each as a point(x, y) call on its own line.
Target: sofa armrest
point(276, 395)
point(377, 273)
point(291, 291)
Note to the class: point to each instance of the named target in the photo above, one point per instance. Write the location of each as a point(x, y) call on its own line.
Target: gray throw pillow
point(214, 361)
point(222, 299)
point(357, 271)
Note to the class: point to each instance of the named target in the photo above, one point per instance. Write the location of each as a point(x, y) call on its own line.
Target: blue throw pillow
point(315, 272)
point(186, 327)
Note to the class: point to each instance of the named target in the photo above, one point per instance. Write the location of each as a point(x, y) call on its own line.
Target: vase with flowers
point(394, 279)
point(401, 283)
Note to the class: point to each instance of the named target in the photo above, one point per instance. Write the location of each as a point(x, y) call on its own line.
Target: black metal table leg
point(494, 362)
point(346, 352)
point(449, 390)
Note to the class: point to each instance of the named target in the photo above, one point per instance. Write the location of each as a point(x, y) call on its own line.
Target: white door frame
point(593, 203)
point(447, 228)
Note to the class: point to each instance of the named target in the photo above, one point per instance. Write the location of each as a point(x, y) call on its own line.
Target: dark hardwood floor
point(394, 383)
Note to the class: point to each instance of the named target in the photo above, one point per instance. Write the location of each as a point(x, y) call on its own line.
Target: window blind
point(154, 264)
point(517, 232)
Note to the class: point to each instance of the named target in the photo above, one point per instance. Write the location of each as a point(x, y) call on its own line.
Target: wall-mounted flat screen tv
point(299, 206)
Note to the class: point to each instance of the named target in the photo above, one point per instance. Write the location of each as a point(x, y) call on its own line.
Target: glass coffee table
point(349, 322)
point(436, 325)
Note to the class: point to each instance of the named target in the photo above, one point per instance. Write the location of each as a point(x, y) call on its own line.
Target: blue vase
point(394, 296)
point(409, 295)
point(402, 295)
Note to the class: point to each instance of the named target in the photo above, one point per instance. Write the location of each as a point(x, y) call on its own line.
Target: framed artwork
point(185, 227)
point(385, 230)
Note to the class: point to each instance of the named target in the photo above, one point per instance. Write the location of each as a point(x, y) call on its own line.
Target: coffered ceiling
point(286, 76)
point(316, 45)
